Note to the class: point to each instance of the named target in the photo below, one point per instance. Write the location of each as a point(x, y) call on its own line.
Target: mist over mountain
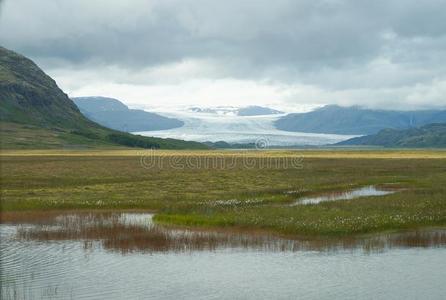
point(355, 120)
point(114, 114)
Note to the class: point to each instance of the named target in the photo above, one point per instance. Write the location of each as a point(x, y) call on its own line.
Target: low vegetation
point(246, 189)
point(25, 136)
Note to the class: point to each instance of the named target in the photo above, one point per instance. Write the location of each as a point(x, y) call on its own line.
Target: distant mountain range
point(432, 136)
point(36, 113)
point(238, 111)
point(356, 121)
point(114, 114)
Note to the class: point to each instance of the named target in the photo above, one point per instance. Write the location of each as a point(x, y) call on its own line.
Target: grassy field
point(244, 189)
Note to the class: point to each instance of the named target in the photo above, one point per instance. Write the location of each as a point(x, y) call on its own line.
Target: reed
point(251, 196)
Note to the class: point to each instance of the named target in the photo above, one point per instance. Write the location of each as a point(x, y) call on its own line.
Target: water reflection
point(135, 232)
point(345, 195)
point(50, 255)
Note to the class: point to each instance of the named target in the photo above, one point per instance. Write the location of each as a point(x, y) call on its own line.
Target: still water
point(366, 191)
point(126, 256)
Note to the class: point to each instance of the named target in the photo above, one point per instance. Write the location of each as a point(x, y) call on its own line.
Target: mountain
point(28, 96)
point(355, 120)
point(257, 111)
point(98, 104)
point(237, 111)
point(36, 113)
point(428, 136)
point(114, 114)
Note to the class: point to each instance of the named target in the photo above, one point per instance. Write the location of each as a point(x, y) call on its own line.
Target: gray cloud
point(332, 44)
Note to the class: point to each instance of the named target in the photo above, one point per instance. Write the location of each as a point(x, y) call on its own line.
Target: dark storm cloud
point(334, 44)
point(299, 34)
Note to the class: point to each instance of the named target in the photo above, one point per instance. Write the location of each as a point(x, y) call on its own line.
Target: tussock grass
point(115, 235)
point(254, 197)
point(304, 153)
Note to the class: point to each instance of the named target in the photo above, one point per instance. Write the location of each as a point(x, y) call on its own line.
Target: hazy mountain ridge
point(257, 111)
point(35, 112)
point(112, 113)
point(355, 120)
point(428, 136)
point(98, 103)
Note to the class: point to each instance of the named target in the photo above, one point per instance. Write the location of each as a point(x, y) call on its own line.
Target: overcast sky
point(287, 54)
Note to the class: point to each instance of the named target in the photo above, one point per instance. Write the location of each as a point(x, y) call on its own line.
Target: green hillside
point(429, 136)
point(36, 113)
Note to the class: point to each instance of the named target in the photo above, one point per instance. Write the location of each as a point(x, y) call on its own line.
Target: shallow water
point(124, 255)
point(346, 195)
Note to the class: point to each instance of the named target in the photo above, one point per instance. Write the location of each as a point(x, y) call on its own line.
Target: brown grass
point(126, 238)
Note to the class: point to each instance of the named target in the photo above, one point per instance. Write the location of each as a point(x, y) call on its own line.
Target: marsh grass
point(253, 198)
point(112, 234)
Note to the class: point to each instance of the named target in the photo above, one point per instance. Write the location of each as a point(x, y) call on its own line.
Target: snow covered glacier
point(213, 127)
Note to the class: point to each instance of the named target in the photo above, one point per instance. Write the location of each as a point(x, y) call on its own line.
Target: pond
point(366, 191)
point(123, 255)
